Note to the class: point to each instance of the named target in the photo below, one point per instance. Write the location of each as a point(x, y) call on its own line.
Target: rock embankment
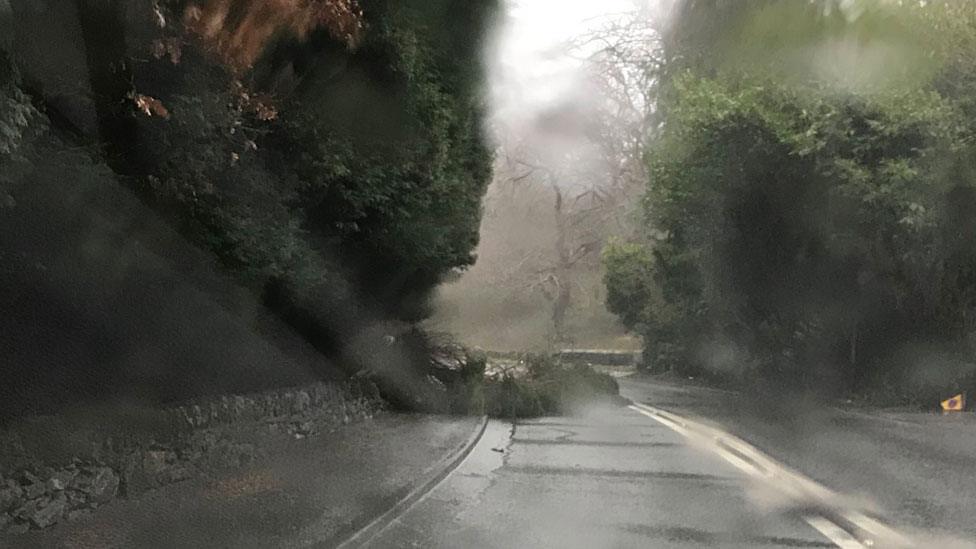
point(27, 500)
point(37, 491)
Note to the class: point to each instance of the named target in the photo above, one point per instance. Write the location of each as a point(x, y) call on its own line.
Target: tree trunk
point(563, 296)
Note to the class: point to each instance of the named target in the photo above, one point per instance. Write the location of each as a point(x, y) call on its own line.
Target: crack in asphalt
point(606, 444)
point(591, 471)
point(703, 537)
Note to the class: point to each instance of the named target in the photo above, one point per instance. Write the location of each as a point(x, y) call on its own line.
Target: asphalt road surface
point(614, 478)
point(729, 470)
point(915, 470)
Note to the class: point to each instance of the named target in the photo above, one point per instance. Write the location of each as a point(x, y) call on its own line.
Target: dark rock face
point(93, 292)
point(34, 490)
point(18, 527)
point(48, 511)
point(104, 485)
point(154, 462)
point(10, 495)
point(78, 514)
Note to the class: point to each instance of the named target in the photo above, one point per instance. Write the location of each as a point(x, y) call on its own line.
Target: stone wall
point(185, 441)
point(343, 402)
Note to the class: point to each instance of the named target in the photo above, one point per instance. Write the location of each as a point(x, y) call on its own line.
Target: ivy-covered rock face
point(351, 167)
point(335, 167)
point(324, 158)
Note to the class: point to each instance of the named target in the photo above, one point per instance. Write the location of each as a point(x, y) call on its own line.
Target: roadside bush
point(807, 228)
point(547, 387)
point(469, 392)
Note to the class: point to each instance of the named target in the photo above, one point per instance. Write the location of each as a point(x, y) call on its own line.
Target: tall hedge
point(809, 224)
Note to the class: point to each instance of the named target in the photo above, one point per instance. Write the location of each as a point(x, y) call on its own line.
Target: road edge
point(431, 478)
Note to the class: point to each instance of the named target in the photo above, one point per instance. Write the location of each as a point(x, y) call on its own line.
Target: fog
point(110, 311)
point(551, 117)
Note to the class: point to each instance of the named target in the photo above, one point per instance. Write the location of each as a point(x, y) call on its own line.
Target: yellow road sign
point(954, 404)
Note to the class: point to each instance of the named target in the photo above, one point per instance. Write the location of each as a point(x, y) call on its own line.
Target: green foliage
point(548, 388)
point(365, 186)
point(469, 393)
point(402, 199)
point(628, 277)
point(814, 228)
point(373, 176)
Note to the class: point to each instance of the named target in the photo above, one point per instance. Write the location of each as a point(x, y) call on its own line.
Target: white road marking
point(876, 528)
point(739, 463)
point(753, 462)
point(837, 535)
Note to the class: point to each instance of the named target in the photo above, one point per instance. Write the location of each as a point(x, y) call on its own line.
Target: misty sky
point(530, 69)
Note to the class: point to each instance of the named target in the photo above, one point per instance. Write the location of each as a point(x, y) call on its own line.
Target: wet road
point(915, 470)
point(613, 478)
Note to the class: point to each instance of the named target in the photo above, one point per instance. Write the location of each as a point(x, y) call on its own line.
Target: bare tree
point(625, 60)
point(568, 179)
point(579, 224)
